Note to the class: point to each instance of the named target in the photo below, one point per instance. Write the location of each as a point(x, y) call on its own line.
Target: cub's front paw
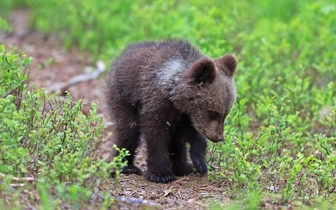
point(161, 177)
point(131, 169)
point(200, 166)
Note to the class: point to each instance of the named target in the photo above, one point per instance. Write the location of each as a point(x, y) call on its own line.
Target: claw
point(161, 177)
point(131, 169)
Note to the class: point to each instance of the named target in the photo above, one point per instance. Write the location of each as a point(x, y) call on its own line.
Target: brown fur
point(171, 94)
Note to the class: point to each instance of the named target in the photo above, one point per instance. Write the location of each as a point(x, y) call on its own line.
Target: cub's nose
point(217, 139)
point(221, 138)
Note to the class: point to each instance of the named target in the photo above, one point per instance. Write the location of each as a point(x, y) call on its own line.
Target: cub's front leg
point(197, 153)
point(198, 146)
point(157, 137)
point(178, 152)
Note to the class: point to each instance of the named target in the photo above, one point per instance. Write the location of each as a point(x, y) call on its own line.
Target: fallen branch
point(30, 206)
point(129, 201)
point(17, 185)
point(63, 86)
point(135, 201)
point(17, 179)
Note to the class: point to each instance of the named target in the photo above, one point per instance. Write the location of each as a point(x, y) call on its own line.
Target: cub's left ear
point(202, 72)
point(228, 63)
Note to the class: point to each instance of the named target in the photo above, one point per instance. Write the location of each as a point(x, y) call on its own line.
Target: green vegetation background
point(282, 130)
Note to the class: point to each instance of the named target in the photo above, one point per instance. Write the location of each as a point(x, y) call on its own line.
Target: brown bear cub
point(170, 94)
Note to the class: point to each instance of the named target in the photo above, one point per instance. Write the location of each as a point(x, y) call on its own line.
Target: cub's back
point(134, 73)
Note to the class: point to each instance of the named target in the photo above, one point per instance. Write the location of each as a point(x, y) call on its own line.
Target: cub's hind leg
point(126, 133)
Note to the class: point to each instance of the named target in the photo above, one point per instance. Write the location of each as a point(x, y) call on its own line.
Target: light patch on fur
point(169, 69)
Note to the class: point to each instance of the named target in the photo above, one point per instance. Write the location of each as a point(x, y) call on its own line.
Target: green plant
point(49, 139)
point(280, 137)
point(4, 25)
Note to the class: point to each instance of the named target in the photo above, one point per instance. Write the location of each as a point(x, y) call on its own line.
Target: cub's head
point(208, 94)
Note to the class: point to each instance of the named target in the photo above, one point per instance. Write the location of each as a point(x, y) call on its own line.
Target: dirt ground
point(192, 192)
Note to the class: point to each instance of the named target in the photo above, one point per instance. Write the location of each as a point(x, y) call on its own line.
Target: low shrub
point(49, 146)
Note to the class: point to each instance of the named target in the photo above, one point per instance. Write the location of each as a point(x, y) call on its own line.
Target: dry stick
point(62, 86)
point(131, 200)
point(30, 206)
point(135, 201)
point(17, 185)
point(16, 179)
point(25, 179)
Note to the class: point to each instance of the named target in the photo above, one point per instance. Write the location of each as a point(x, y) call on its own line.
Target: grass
point(50, 145)
point(282, 130)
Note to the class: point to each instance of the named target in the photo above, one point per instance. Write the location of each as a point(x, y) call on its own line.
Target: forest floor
point(194, 191)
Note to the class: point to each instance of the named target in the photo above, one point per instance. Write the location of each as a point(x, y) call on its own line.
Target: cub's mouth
point(214, 139)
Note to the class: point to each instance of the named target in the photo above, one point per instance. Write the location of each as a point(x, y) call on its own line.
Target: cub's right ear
point(202, 72)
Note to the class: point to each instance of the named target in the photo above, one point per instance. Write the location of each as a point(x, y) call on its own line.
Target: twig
point(17, 179)
point(17, 185)
point(25, 179)
point(135, 201)
point(27, 202)
point(12, 91)
point(63, 86)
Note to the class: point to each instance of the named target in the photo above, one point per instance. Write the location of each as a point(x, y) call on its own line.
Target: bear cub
point(170, 94)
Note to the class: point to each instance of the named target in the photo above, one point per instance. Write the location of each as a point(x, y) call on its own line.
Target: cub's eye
point(214, 115)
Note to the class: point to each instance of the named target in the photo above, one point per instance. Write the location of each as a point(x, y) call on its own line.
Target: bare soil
point(193, 192)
